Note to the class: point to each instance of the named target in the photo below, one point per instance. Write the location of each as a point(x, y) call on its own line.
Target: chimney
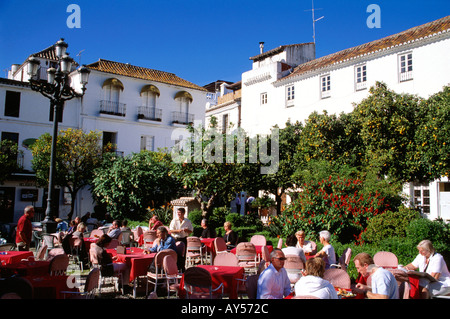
point(261, 47)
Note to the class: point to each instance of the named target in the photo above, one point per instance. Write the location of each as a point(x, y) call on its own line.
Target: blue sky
point(199, 40)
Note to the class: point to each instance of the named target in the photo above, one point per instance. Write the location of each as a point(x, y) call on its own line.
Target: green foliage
point(8, 159)
point(132, 185)
point(432, 137)
point(78, 154)
point(164, 213)
point(339, 205)
point(195, 216)
point(388, 122)
point(206, 166)
point(263, 202)
point(389, 224)
point(437, 231)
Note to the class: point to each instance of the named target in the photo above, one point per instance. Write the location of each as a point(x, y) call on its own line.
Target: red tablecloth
point(414, 292)
point(225, 275)
point(26, 268)
point(49, 287)
point(209, 244)
point(136, 260)
point(13, 256)
point(88, 241)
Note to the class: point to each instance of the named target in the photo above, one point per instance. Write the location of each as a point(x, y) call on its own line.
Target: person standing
point(24, 229)
point(274, 283)
point(180, 228)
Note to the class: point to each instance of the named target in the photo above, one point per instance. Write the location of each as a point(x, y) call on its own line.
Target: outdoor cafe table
point(88, 241)
point(13, 256)
point(226, 275)
point(26, 268)
point(209, 244)
point(136, 260)
point(50, 287)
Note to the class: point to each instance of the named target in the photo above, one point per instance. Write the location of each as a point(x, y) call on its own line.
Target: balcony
point(113, 108)
point(149, 113)
point(182, 118)
point(230, 97)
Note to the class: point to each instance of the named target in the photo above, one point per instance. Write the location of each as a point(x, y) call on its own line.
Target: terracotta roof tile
point(422, 31)
point(141, 73)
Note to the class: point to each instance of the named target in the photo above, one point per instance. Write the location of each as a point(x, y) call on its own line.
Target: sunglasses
point(280, 258)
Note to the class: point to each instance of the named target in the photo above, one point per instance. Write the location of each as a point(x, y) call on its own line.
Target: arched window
point(110, 104)
point(148, 110)
point(182, 115)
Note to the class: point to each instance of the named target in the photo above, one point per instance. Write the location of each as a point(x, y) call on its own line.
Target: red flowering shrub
point(341, 206)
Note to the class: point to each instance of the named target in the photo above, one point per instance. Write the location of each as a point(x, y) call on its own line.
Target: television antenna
point(314, 20)
point(79, 55)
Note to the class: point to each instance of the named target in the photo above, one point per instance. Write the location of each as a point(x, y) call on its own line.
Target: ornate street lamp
point(58, 89)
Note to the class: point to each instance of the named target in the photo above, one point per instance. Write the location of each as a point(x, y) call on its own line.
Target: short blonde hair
point(426, 245)
point(227, 224)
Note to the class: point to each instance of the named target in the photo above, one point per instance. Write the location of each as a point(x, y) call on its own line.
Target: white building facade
point(135, 108)
point(416, 61)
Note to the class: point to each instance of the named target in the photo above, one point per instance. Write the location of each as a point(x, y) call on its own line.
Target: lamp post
point(58, 89)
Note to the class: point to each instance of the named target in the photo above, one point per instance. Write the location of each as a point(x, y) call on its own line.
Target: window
point(325, 86)
point(405, 64)
point(290, 95)
point(13, 137)
point(422, 197)
point(360, 77)
point(224, 123)
point(263, 98)
point(12, 103)
point(147, 143)
point(110, 137)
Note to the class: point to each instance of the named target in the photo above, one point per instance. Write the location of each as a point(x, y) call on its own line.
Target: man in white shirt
point(274, 283)
point(180, 228)
point(384, 285)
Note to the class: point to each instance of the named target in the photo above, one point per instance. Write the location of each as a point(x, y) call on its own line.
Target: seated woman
point(306, 245)
point(429, 261)
point(230, 236)
point(100, 256)
point(312, 282)
point(291, 249)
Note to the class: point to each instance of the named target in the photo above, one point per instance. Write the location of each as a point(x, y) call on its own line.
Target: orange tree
point(432, 137)
point(215, 166)
point(77, 155)
point(388, 123)
point(129, 185)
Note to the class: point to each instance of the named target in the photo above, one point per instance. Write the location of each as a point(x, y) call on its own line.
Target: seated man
point(114, 231)
point(327, 252)
point(384, 284)
point(164, 241)
point(274, 283)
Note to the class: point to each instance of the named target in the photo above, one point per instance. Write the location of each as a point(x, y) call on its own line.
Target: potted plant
point(263, 204)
